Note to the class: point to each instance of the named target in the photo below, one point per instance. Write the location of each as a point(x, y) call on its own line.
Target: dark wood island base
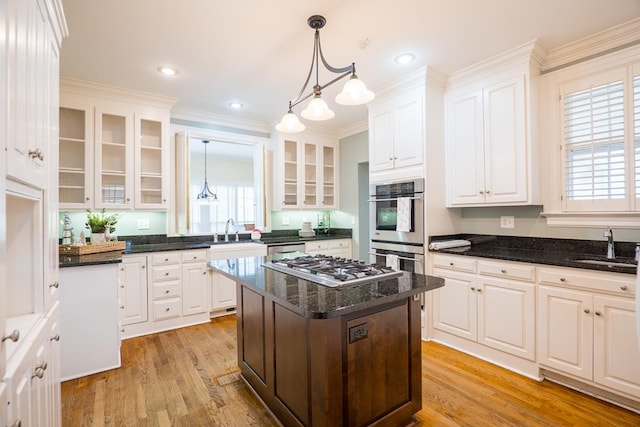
point(320, 356)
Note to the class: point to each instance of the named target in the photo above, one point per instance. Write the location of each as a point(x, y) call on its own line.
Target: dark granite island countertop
point(315, 301)
point(330, 356)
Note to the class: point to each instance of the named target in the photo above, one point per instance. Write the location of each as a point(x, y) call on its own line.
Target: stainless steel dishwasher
point(284, 248)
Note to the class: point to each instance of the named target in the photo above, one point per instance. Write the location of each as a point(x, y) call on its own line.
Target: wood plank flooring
point(189, 377)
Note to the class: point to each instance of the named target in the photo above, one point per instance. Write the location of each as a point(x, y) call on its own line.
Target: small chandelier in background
point(354, 92)
point(206, 195)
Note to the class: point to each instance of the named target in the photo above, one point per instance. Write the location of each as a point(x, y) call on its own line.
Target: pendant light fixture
point(354, 92)
point(206, 195)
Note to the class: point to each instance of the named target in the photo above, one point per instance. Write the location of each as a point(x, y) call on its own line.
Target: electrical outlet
point(143, 224)
point(285, 220)
point(507, 222)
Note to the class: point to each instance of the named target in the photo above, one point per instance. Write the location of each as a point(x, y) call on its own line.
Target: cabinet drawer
point(620, 284)
point(169, 272)
point(167, 309)
point(339, 244)
point(163, 290)
point(317, 245)
point(452, 262)
point(165, 258)
point(507, 270)
point(194, 256)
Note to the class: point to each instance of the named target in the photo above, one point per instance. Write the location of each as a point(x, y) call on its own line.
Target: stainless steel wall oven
point(396, 212)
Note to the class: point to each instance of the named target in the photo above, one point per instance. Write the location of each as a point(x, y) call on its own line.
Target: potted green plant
point(97, 223)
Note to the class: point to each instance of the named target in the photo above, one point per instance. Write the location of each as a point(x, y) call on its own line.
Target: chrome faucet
point(226, 229)
point(611, 251)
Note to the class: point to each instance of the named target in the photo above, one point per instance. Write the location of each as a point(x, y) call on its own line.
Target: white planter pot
point(97, 238)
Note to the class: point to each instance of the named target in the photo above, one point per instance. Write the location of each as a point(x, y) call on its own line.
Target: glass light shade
point(290, 124)
point(354, 93)
point(317, 110)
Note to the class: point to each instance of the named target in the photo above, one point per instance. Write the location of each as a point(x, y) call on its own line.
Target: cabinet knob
point(167, 291)
point(16, 423)
point(56, 337)
point(54, 285)
point(503, 271)
point(586, 310)
point(87, 199)
point(42, 365)
point(204, 272)
point(166, 274)
point(451, 264)
point(598, 313)
point(128, 199)
point(13, 336)
point(144, 266)
point(624, 287)
point(479, 289)
point(562, 279)
point(195, 257)
point(164, 200)
point(395, 158)
point(166, 259)
point(487, 191)
point(167, 309)
point(38, 373)
point(122, 286)
point(390, 158)
point(481, 192)
point(122, 307)
point(473, 288)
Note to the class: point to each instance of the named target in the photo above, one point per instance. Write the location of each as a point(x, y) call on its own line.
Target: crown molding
point(219, 119)
point(92, 89)
point(615, 38)
point(353, 129)
point(412, 79)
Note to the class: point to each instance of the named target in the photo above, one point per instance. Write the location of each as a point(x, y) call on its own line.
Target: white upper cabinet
point(114, 153)
point(397, 131)
point(306, 172)
point(490, 126)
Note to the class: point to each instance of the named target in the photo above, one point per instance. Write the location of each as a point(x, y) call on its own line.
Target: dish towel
point(403, 217)
point(393, 261)
point(445, 244)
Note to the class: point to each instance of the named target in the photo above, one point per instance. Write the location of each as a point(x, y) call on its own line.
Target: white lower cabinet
point(32, 378)
point(495, 312)
point(4, 421)
point(162, 291)
point(587, 334)
point(333, 247)
point(223, 289)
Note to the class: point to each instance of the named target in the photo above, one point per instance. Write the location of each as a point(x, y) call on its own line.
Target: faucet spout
point(226, 229)
point(611, 251)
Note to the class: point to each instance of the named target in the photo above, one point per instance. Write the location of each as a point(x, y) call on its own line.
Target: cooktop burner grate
point(331, 271)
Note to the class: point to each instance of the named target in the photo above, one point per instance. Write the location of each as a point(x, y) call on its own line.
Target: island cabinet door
point(378, 368)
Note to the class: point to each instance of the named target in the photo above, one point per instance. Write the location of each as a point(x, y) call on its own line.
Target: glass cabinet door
point(290, 174)
point(75, 157)
point(310, 167)
point(151, 180)
point(328, 176)
point(113, 157)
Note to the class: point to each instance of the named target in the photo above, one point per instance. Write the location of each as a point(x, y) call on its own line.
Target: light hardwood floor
point(189, 377)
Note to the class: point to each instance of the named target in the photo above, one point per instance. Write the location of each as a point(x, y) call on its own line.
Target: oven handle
point(399, 257)
point(393, 198)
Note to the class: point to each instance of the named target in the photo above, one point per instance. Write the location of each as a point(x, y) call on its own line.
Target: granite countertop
point(315, 301)
point(546, 251)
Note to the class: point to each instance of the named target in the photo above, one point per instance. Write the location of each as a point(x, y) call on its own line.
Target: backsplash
point(127, 224)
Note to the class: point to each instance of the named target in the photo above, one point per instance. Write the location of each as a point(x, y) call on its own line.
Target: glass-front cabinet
point(290, 179)
point(151, 158)
point(75, 175)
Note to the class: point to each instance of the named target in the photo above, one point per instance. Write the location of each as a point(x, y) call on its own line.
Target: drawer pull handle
point(56, 337)
point(586, 310)
point(624, 287)
point(13, 336)
point(42, 365)
point(38, 372)
point(503, 271)
point(54, 285)
point(562, 279)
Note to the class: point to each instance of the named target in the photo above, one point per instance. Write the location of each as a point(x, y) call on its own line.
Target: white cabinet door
point(132, 295)
point(223, 291)
point(113, 159)
point(506, 316)
point(151, 172)
point(328, 168)
point(4, 421)
point(195, 284)
point(566, 330)
point(19, 386)
point(465, 149)
point(616, 357)
point(409, 129)
point(505, 154)
point(54, 404)
point(381, 137)
point(455, 305)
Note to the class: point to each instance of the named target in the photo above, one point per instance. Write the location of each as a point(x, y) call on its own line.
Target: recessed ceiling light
point(405, 58)
point(167, 71)
point(235, 105)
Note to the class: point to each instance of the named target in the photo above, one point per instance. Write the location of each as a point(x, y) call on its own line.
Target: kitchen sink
point(616, 262)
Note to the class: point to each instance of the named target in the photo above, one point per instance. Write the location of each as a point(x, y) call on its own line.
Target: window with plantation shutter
point(598, 158)
point(636, 135)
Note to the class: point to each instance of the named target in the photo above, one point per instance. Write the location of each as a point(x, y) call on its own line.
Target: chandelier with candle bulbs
point(354, 92)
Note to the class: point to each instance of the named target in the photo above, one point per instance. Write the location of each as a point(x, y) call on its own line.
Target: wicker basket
point(91, 249)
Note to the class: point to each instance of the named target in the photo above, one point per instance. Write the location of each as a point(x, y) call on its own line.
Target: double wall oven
point(396, 214)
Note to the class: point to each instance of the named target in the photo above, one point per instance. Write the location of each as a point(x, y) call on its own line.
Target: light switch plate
point(507, 222)
point(143, 224)
point(285, 220)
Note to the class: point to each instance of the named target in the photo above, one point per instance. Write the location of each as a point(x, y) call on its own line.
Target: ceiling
point(258, 52)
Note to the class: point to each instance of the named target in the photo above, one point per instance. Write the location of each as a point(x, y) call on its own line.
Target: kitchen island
point(330, 356)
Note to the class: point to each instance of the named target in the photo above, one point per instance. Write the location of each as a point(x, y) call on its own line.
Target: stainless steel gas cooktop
point(331, 271)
